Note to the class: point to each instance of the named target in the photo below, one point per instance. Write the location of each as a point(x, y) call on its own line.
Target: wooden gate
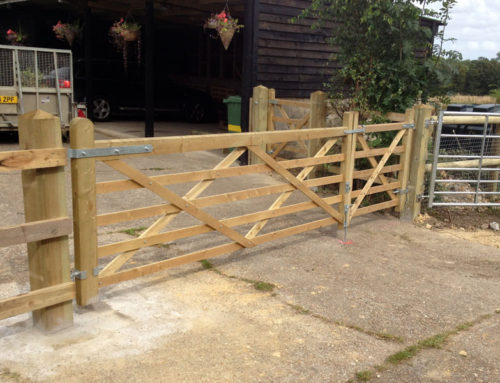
point(341, 203)
point(362, 173)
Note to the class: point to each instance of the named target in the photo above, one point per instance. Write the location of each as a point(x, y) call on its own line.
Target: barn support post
point(44, 193)
point(149, 129)
point(260, 102)
point(350, 124)
point(419, 150)
point(317, 119)
point(83, 184)
point(89, 91)
point(405, 160)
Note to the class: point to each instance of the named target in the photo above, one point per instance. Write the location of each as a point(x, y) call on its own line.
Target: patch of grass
point(206, 264)
point(134, 231)
point(400, 356)
point(263, 286)
point(435, 341)
point(364, 376)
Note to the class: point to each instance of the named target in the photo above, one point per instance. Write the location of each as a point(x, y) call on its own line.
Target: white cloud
point(475, 26)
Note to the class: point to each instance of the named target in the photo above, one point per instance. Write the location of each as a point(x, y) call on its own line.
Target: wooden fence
point(47, 226)
point(344, 196)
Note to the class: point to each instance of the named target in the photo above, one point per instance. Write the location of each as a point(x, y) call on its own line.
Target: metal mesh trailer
point(35, 78)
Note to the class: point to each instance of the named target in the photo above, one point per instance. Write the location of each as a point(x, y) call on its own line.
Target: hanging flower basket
point(123, 32)
point(67, 31)
point(225, 26)
point(15, 38)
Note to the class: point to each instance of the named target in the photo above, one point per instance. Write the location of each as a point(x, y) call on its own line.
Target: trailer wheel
point(101, 108)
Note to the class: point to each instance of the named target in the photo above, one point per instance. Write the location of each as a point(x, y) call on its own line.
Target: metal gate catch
point(106, 152)
point(400, 191)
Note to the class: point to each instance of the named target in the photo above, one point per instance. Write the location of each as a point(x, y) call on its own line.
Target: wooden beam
point(32, 159)
point(37, 299)
point(45, 198)
point(35, 231)
point(184, 144)
point(83, 179)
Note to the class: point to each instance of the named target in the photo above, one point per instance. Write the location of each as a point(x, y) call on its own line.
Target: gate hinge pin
point(77, 274)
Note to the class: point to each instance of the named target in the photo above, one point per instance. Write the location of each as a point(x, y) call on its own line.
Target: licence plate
point(8, 99)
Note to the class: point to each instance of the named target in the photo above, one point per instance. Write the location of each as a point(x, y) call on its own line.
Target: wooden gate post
point(44, 198)
point(405, 160)
point(350, 122)
point(317, 119)
point(260, 100)
point(83, 183)
point(419, 150)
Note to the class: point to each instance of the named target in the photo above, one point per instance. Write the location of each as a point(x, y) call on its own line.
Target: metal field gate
point(35, 78)
point(466, 160)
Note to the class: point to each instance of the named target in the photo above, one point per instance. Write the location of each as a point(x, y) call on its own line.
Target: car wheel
point(101, 108)
point(196, 111)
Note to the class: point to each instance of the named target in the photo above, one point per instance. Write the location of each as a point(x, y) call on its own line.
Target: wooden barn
point(270, 50)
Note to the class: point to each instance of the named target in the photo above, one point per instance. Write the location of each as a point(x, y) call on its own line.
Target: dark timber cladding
point(291, 58)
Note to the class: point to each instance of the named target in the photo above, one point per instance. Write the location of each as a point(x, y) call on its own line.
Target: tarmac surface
point(401, 304)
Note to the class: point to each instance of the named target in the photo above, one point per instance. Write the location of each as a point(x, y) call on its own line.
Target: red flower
point(225, 20)
point(11, 32)
point(221, 15)
point(121, 20)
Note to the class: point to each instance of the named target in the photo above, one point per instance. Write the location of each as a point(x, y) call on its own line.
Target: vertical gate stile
point(83, 183)
point(317, 119)
point(260, 102)
point(350, 122)
point(422, 134)
point(270, 115)
point(405, 160)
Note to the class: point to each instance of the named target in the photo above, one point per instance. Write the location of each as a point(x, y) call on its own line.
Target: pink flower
point(121, 20)
point(11, 32)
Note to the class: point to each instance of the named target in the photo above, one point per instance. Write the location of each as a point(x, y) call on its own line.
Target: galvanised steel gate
point(466, 160)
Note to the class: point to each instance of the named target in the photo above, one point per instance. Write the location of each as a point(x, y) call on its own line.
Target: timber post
point(317, 119)
point(350, 123)
point(44, 193)
point(270, 114)
point(419, 150)
point(405, 160)
point(260, 101)
point(83, 182)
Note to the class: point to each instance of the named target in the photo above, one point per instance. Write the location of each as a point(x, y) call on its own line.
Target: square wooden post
point(260, 101)
point(405, 160)
point(44, 198)
point(421, 137)
point(83, 183)
point(350, 122)
point(317, 119)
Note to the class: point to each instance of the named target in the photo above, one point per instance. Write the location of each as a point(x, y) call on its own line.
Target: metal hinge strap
point(106, 152)
point(360, 130)
point(408, 126)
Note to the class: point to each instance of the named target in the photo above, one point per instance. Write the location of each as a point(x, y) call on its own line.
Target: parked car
point(119, 92)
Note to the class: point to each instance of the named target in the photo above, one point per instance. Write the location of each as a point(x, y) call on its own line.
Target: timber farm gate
point(42, 160)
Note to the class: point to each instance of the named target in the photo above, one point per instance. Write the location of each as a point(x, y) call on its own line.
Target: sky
point(476, 26)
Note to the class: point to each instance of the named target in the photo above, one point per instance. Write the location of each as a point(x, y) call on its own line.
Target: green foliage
point(377, 43)
point(496, 94)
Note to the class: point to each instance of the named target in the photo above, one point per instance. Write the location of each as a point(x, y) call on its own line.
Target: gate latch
point(400, 191)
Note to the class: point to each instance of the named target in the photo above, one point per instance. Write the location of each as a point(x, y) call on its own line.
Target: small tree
point(382, 47)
